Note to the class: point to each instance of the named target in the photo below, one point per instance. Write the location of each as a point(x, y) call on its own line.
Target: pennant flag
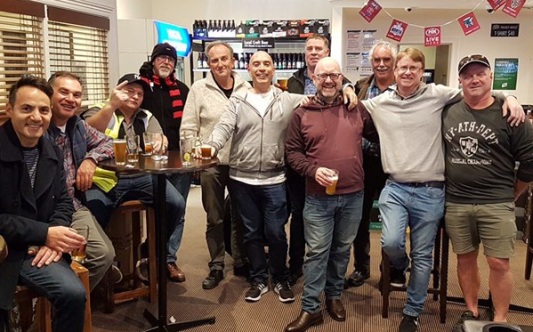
point(468, 23)
point(513, 7)
point(496, 4)
point(432, 36)
point(396, 30)
point(370, 10)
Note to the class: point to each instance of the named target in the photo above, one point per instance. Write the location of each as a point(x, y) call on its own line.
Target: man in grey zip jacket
point(258, 120)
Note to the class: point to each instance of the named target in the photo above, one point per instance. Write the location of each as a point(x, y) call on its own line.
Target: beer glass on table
point(119, 148)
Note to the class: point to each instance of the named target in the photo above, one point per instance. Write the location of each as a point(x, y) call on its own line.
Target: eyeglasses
point(332, 76)
point(163, 58)
point(378, 60)
point(412, 69)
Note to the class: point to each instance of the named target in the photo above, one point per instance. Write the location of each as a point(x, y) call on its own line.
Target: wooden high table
point(160, 169)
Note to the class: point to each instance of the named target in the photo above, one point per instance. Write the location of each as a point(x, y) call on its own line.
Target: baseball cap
point(164, 49)
point(133, 78)
point(476, 58)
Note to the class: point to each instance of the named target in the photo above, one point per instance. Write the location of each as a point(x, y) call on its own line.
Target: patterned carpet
point(188, 301)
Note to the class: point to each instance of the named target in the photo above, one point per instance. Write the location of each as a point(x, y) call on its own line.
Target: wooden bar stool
point(43, 310)
point(131, 210)
point(439, 273)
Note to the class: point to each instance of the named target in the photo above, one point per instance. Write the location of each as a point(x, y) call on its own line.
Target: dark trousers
point(296, 188)
point(374, 183)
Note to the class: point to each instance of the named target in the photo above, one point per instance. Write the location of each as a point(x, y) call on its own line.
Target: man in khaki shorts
point(481, 151)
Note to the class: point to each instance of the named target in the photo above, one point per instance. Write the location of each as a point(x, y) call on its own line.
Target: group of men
point(259, 132)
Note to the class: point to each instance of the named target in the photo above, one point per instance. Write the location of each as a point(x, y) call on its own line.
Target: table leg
point(161, 322)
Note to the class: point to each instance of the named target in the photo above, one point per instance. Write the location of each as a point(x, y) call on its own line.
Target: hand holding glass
point(334, 178)
point(80, 254)
point(159, 147)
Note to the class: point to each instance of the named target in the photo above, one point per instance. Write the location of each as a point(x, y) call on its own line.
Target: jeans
point(214, 182)
point(59, 284)
point(100, 251)
point(420, 208)
point(374, 183)
point(296, 185)
point(263, 209)
point(330, 225)
point(140, 188)
point(182, 183)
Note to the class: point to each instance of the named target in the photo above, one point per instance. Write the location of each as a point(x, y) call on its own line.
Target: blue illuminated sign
point(175, 36)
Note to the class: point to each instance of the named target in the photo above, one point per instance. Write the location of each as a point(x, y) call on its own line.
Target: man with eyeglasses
point(323, 140)
point(482, 186)
point(122, 115)
point(301, 82)
point(165, 99)
point(413, 195)
point(382, 57)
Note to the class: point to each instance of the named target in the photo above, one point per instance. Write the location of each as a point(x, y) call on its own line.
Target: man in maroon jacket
point(324, 139)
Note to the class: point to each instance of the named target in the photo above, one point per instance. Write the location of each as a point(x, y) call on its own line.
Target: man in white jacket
point(204, 106)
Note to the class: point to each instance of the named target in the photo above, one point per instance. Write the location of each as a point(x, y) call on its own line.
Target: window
point(83, 51)
point(21, 50)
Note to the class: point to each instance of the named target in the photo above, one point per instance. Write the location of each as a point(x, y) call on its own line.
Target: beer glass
point(186, 150)
point(132, 145)
point(330, 190)
point(148, 140)
point(159, 149)
point(80, 254)
point(119, 148)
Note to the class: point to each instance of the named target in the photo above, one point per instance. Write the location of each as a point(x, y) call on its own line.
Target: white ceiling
point(448, 4)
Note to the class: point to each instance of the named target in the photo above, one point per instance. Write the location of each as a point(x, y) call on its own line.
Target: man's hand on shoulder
point(516, 112)
point(349, 96)
point(84, 174)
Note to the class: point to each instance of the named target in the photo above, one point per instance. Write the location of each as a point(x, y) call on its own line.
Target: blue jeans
point(182, 183)
point(140, 188)
point(59, 284)
point(330, 226)
point(263, 210)
point(420, 208)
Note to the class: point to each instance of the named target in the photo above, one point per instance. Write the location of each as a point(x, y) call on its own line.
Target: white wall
point(131, 14)
point(479, 42)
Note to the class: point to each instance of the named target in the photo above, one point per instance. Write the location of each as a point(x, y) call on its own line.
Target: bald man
point(324, 142)
point(257, 118)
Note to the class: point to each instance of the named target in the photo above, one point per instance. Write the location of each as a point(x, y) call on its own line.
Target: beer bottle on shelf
point(241, 62)
point(204, 28)
point(204, 61)
point(299, 61)
point(235, 61)
point(199, 63)
point(275, 60)
point(286, 61)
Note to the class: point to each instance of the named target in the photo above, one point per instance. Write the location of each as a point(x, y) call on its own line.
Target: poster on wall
point(505, 74)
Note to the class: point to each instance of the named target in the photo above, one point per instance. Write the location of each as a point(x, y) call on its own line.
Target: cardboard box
point(266, 28)
point(293, 28)
point(252, 29)
point(322, 27)
point(279, 29)
point(307, 28)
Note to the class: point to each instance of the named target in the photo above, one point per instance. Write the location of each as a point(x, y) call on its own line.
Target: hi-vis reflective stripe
point(117, 121)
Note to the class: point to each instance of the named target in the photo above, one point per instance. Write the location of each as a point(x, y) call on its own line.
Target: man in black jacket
point(35, 209)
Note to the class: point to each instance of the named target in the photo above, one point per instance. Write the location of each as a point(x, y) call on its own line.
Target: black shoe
point(294, 276)
point(213, 279)
point(467, 315)
point(284, 291)
point(397, 277)
point(255, 292)
point(356, 279)
point(409, 324)
point(242, 271)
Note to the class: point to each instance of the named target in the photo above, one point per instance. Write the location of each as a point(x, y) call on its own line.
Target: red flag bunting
point(432, 36)
point(370, 10)
point(396, 30)
point(496, 4)
point(513, 7)
point(468, 23)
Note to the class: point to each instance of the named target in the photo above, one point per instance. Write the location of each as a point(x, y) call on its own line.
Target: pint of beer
point(206, 151)
point(330, 190)
point(80, 254)
point(119, 147)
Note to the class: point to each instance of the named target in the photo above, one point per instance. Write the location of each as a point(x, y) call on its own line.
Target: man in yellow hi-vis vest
point(121, 115)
